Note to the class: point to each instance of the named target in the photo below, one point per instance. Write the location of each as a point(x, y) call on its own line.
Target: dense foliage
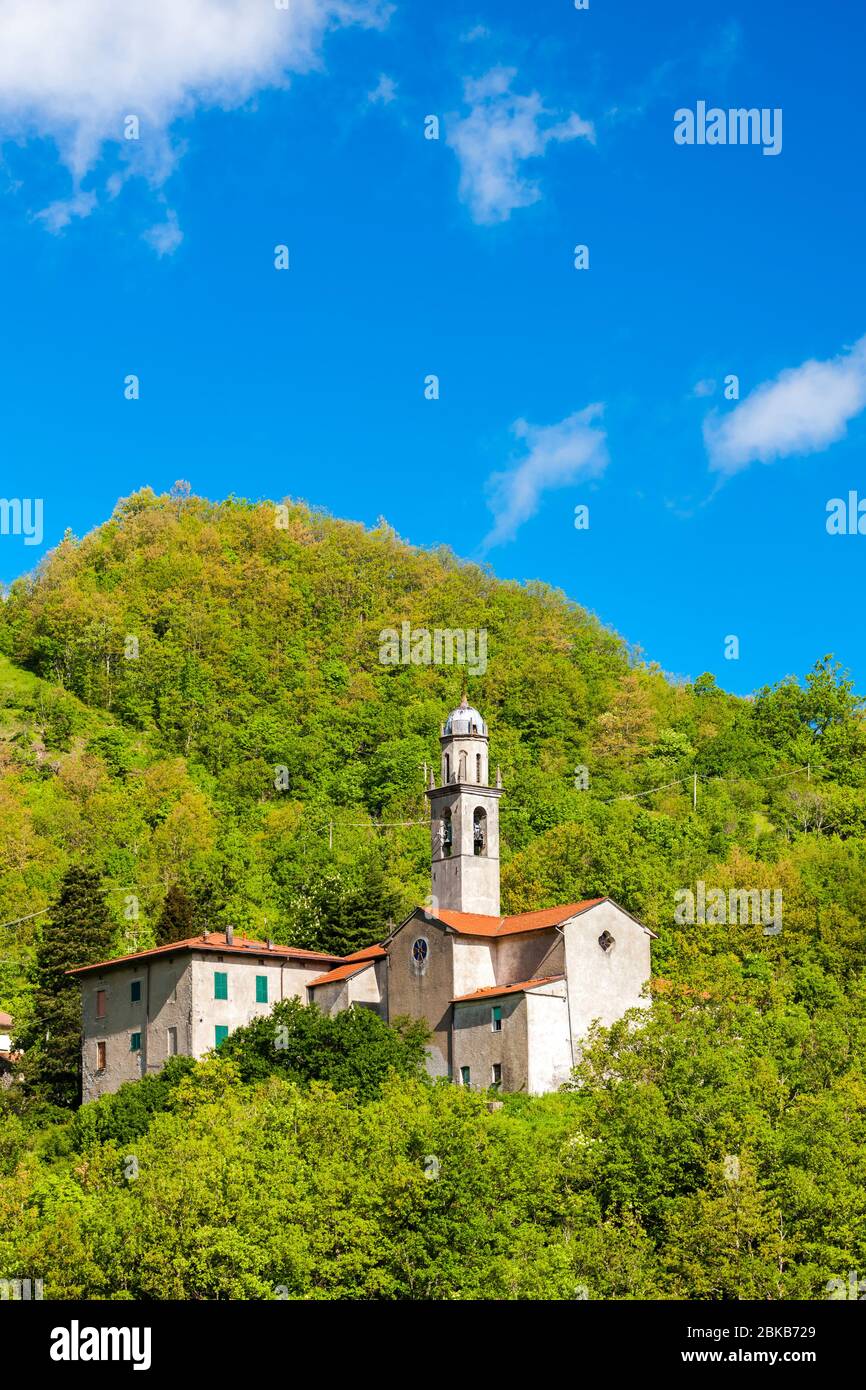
point(78, 933)
point(192, 705)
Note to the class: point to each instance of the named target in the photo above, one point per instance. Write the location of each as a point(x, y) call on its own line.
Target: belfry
point(464, 819)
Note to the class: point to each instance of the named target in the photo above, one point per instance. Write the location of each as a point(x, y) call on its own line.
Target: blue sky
point(454, 257)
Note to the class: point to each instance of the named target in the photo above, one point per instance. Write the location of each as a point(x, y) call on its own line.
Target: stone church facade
point(507, 999)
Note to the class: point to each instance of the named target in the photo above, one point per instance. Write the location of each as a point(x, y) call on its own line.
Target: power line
point(25, 919)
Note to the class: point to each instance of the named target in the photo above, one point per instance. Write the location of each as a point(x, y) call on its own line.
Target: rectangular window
point(220, 984)
point(496, 1020)
point(220, 1034)
point(135, 1042)
point(496, 1074)
point(464, 1075)
point(261, 989)
point(100, 1056)
point(171, 1043)
point(100, 1003)
point(135, 991)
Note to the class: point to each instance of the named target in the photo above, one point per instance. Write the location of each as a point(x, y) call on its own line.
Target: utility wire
point(25, 919)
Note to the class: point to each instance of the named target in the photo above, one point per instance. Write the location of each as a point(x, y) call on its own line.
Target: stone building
point(9, 1059)
point(507, 999)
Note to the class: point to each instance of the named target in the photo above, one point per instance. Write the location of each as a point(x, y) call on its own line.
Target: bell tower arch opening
point(465, 818)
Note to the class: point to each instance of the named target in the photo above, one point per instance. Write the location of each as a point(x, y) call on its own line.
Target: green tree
point(353, 1050)
point(176, 921)
point(78, 931)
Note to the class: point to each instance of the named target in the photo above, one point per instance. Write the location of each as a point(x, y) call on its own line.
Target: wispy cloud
point(557, 455)
point(165, 237)
point(801, 411)
point(72, 73)
point(58, 215)
point(384, 92)
point(500, 132)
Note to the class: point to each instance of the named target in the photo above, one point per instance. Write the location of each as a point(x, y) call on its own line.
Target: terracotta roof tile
point(342, 972)
point(491, 991)
point(368, 953)
point(474, 924)
point(215, 941)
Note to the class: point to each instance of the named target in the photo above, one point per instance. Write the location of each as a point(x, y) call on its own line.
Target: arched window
point(446, 833)
point(447, 768)
point(461, 775)
point(478, 768)
point(479, 831)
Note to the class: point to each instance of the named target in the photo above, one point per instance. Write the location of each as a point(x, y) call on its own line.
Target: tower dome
point(464, 720)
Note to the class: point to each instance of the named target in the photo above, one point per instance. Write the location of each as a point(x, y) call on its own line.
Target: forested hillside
point(191, 698)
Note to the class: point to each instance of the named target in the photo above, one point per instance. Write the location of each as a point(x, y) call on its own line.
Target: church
point(507, 999)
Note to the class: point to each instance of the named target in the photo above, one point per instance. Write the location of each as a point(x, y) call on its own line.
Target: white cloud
point(704, 388)
point(803, 410)
point(71, 72)
point(165, 237)
point(384, 92)
point(60, 214)
point(557, 455)
point(492, 141)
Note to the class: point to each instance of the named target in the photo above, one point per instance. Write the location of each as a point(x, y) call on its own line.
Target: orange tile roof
point(491, 990)
point(368, 953)
point(215, 941)
point(342, 972)
point(474, 924)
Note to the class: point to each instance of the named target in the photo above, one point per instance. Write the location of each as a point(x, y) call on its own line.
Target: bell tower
point(464, 819)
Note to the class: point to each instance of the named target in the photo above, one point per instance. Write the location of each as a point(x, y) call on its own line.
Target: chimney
point(230, 936)
point(205, 934)
point(270, 944)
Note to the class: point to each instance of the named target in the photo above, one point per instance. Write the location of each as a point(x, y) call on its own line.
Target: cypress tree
point(79, 931)
point(177, 919)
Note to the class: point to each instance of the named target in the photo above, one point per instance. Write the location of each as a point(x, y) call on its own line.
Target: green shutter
point(135, 991)
point(221, 1032)
point(261, 989)
point(220, 984)
point(135, 1042)
point(464, 1075)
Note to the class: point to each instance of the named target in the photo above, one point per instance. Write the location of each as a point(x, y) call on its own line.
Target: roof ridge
point(519, 986)
point(213, 941)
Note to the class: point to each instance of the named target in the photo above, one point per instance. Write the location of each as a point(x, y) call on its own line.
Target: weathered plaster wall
point(473, 964)
point(332, 998)
point(525, 957)
point(603, 984)
point(549, 1043)
point(165, 1002)
point(478, 1047)
point(424, 992)
point(285, 980)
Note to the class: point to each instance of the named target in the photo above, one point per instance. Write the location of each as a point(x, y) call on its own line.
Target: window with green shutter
point(220, 1034)
point(496, 1019)
point(135, 991)
point(135, 1042)
point(220, 984)
point(464, 1075)
point(261, 989)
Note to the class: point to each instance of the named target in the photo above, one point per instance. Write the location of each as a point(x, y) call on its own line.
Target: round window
point(419, 950)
